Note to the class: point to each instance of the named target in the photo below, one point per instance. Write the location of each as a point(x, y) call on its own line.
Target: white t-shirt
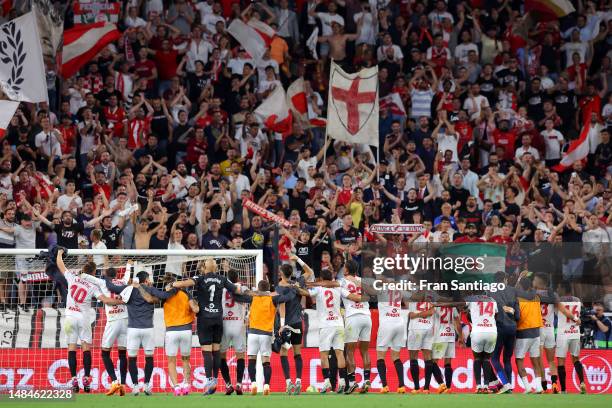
point(63, 202)
point(328, 305)
point(389, 307)
point(381, 53)
point(204, 8)
point(368, 28)
point(49, 143)
point(256, 143)
point(80, 294)
point(210, 21)
point(567, 328)
point(482, 313)
point(462, 50)
point(548, 315)
point(521, 151)
point(350, 307)
point(234, 312)
point(113, 312)
point(303, 165)
point(444, 324)
point(99, 259)
point(448, 142)
point(551, 143)
point(474, 105)
point(420, 323)
point(236, 65)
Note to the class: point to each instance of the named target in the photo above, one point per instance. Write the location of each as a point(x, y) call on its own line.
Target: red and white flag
point(7, 110)
point(274, 112)
point(578, 149)
point(394, 103)
point(83, 42)
point(352, 108)
point(298, 103)
point(255, 36)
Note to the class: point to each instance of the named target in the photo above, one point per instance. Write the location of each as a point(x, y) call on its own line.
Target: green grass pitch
point(372, 400)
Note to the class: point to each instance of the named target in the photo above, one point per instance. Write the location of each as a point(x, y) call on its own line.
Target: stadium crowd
point(154, 144)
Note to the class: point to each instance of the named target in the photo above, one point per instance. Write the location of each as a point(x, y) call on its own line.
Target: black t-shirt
point(156, 243)
point(459, 194)
point(487, 89)
point(196, 85)
point(299, 202)
point(68, 236)
point(111, 237)
point(304, 251)
point(159, 124)
point(535, 105)
point(347, 237)
point(507, 76)
point(565, 103)
point(209, 241)
point(409, 208)
point(104, 95)
point(209, 293)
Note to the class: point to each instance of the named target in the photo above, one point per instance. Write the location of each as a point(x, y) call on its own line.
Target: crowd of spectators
point(154, 144)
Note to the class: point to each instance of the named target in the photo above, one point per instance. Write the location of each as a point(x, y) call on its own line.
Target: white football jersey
point(389, 307)
point(444, 324)
point(80, 294)
point(482, 313)
point(548, 315)
point(420, 323)
point(234, 313)
point(351, 307)
point(567, 328)
point(328, 305)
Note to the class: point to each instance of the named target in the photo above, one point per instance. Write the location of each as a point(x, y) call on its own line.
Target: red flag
point(578, 150)
point(83, 42)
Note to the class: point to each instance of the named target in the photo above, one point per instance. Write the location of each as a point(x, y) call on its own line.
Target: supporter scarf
point(129, 52)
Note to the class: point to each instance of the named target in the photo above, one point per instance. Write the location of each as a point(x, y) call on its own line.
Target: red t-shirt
point(507, 140)
point(166, 64)
point(498, 239)
point(345, 196)
point(69, 136)
point(144, 69)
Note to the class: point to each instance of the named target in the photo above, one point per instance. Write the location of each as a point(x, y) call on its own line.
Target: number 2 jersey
point(328, 305)
point(567, 328)
point(482, 310)
point(209, 293)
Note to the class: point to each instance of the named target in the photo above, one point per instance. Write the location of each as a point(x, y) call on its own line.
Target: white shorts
point(140, 337)
point(391, 337)
point(420, 339)
point(331, 338)
point(564, 345)
point(178, 340)
point(233, 336)
point(259, 343)
point(483, 342)
point(524, 346)
point(547, 337)
point(77, 329)
point(358, 327)
point(443, 350)
point(115, 331)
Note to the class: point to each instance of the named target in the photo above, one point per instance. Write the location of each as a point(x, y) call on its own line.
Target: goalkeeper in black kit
point(209, 287)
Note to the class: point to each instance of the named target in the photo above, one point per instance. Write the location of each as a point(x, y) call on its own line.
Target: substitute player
point(77, 325)
point(568, 335)
point(482, 310)
point(234, 335)
point(209, 286)
point(261, 329)
point(358, 327)
point(179, 314)
point(447, 322)
point(140, 299)
point(420, 338)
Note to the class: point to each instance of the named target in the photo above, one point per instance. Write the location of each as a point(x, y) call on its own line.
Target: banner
point(92, 11)
point(20, 59)
point(44, 369)
point(396, 228)
point(268, 215)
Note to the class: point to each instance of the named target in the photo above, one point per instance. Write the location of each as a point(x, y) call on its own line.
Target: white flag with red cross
point(352, 108)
